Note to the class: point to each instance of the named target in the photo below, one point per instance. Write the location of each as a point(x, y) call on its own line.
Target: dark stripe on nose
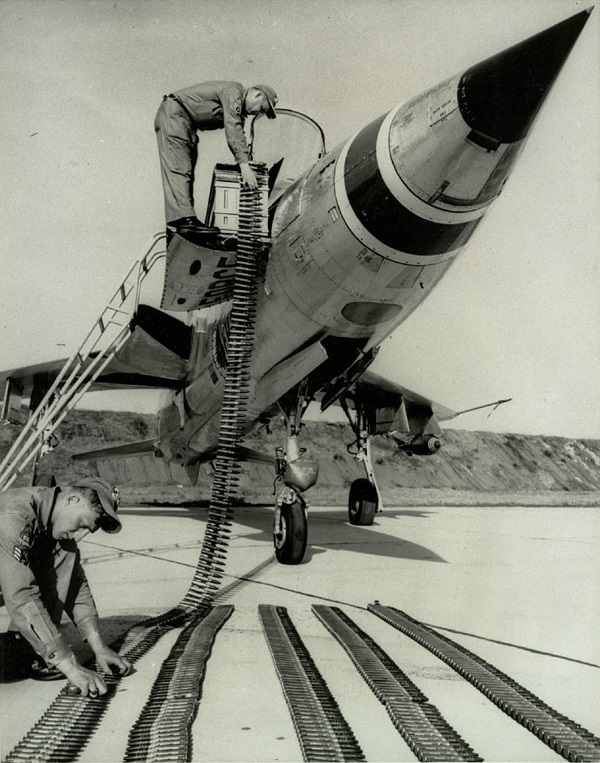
point(383, 215)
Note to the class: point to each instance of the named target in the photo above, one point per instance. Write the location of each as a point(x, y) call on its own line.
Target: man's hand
point(248, 176)
point(87, 681)
point(106, 658)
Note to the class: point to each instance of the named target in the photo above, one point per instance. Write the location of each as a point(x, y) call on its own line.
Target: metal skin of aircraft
point(359, 238)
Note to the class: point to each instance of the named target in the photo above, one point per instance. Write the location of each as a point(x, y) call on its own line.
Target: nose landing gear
point(297, 472)
point(290, 528)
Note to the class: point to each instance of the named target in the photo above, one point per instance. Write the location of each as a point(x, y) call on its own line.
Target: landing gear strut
point(297, 473)
point(364, 499)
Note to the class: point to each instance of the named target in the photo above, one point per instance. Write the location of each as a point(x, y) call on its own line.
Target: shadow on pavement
point(328, 530)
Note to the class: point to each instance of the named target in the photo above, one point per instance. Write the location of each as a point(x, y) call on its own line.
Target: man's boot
point(16, 656)
point(193, 230)
point(18, 661)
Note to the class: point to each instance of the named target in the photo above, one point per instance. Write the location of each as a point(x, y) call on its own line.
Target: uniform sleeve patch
point(237, 107)
point(21, 550)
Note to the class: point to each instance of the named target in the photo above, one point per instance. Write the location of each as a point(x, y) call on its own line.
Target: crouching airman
point(41, 577)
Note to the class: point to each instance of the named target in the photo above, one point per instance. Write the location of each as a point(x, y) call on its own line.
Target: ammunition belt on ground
point(163, 730)
point(420, 723)
point(563, 735)
point(322, 730)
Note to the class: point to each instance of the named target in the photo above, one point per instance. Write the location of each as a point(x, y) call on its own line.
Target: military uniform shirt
point(26, 547)
point(217, 104)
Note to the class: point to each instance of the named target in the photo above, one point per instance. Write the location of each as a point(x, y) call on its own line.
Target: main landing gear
point(297, 472)
point(364, 499)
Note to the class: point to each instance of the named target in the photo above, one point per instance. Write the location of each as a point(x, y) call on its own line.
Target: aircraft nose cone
point(501, 96)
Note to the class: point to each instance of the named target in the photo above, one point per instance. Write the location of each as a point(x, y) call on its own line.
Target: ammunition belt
point(421, 725)
point(322, 730)
point(162, 732)
point(240, 342)
point(561, 734)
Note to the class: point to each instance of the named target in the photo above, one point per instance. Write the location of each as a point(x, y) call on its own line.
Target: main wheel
point(362, 502)
point(291, 536)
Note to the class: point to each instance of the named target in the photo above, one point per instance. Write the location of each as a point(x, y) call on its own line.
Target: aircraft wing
point(394, 408)
point(154, 355)
point(386, 393)
point(27, 375)
point(397, 408)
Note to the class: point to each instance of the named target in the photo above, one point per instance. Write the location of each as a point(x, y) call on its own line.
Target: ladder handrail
point(55, 405)
point(81, 374)
point(27, 452)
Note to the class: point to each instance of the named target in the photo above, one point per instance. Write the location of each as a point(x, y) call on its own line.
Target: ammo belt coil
point(563, 735)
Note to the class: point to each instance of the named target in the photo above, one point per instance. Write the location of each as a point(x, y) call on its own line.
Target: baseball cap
point(271, 97)
point(108, 495)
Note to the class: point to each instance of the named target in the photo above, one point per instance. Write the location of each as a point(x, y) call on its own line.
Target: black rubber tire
point(290, 549)
point(362, 502)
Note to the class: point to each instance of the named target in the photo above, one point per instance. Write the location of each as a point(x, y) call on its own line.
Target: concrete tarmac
point(517, 586)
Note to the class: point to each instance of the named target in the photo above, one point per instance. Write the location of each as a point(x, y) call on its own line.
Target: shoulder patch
point(237, 107)
point(21, 551)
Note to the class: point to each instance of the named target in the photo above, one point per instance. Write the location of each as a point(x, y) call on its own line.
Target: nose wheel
point(290, 531)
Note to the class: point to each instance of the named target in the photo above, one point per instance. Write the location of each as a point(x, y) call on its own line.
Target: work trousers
point(178, 151)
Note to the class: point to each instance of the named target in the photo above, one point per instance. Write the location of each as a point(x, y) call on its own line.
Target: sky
point(517, 316)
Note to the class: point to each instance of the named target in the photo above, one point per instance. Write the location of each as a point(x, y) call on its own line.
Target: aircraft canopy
point(293, 139)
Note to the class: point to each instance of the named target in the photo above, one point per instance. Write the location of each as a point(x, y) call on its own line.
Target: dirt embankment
point(472, 467)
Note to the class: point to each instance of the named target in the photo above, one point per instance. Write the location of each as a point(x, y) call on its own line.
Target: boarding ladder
point(106, 337)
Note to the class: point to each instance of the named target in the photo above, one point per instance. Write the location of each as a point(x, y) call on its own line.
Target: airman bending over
point(207, 106)
point(41, 577)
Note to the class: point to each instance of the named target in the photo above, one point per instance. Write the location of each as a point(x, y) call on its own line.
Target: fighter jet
point(359, 237)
